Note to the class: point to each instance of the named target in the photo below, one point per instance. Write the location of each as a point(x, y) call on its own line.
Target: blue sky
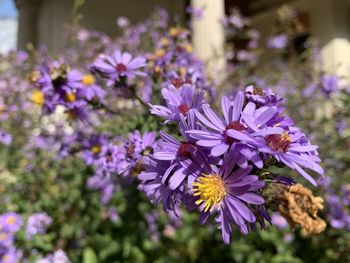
point(7, 8)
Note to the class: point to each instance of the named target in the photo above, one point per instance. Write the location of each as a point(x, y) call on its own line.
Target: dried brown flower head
point(298, 205)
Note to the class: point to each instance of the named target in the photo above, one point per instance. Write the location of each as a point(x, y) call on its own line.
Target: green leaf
point(89, 256)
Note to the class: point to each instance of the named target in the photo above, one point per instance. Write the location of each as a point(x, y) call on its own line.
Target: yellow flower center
point(11, 220)
point(286, 137)
point(38, 97)
point(164, 42)
point(5, 258)
point(3, 236)
point(96, 149)
point(183, 71)
point(211, 190)
point(159, 53)
point(88, 80)
point(157, 69)
point(173, 31)
point(189, 48)
point(70, 97)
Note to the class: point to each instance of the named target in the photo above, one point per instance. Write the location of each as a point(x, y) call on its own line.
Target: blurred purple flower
point(37, 224)
point(123, 22)
point(119, 65)
point(279, 221)
point(277, 41)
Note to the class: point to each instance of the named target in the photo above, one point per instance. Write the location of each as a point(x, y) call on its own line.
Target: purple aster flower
point(90, 89)
point(104, 184)
point(57, 85)
point(123, 22)
point(107, 192)
point(277, 42)
point(288, 238)
point(145, 89)
point(113, 214)
point(341, 126)
point(37, 224)
point(10, 222)
point(330, 84)
point(339, 218)
point(143, 144)
point(151, 219)
point(197, 12)
point(154, 184)
point(6, 240)
point(245, 55)
point(5, 138)
point(237, 20)
point(345, 191)
point(263, 97)
point(217, 136)
point(291, 148)
point(12, 255)
point(45, 260)
point(77, 111)
point(135, 149)
point(92, 148)
point(59, 256)
point(112, 159)
point(279, 221)
point(229, 192)
point(180, 154)
point(310, 89)
point(179, 101)
point(58, 78)
point(119, 65)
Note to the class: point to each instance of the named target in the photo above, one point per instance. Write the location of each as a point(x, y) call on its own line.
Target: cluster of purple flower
point(326, 85)
point(119, 66)
point(37, 224)
point(59, 256)
point(10, 224)
point(339, 216)
point(143, 35)
point(172, 62)
point(242, 37)
point(57, 84)
point(108, 159)
point(217, 163)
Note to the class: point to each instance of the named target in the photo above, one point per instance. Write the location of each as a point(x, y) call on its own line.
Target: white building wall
point(8, 34)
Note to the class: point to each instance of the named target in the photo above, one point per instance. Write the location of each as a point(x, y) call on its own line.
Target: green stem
point(141, 101)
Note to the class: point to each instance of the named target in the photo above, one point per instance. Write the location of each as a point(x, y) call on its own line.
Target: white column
point(330, 26)
point(208, 34)
point(28, 15)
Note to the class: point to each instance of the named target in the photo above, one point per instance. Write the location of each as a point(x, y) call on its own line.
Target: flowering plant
point(99, 141)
